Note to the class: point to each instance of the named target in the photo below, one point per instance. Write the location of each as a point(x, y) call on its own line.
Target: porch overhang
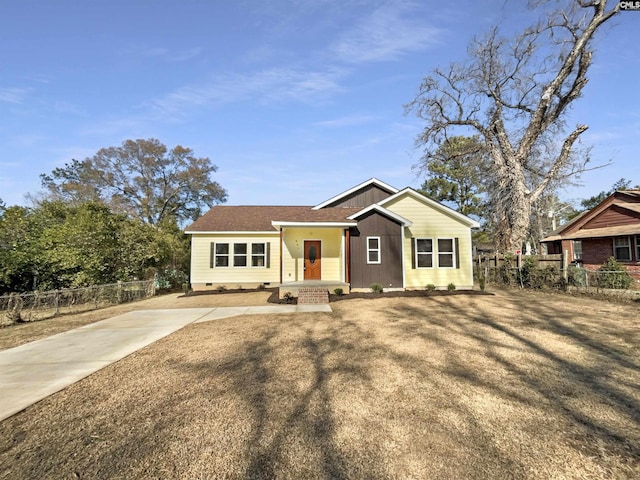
point(285, 224)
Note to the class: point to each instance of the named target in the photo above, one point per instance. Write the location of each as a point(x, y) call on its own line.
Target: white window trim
point(216, 255)
point(452, 252)
point(575, 250)
point(246, 255)
point(378, 250)
point(433, 263)
point(262, 255)
point(616, 247)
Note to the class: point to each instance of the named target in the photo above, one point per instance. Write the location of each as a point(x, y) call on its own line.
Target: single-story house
point(610, 229)
point(371, 233)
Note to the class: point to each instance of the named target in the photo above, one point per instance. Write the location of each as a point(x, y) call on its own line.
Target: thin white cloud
point(267, 86)
point(13, 95)
point(347, 121)
point(386, 34)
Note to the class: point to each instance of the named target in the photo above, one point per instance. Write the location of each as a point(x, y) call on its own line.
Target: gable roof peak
point(372, 181)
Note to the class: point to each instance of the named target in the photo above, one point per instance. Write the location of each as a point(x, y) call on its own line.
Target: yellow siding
point(331, 251)
point(429, 222)
point(231, 277)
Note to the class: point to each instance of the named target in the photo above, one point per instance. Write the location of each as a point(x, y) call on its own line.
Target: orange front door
point(312, 260)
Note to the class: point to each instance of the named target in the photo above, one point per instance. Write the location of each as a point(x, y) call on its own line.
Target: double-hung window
point(373, 249)
point(221, 255)
point(577, 250)
point(258, 254)
point(622, 249)
point(446, 253)
point(239, 254)
point(424, 252)
point(637, 248)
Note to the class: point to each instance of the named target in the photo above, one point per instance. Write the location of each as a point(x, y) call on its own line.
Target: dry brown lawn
point(516, 385)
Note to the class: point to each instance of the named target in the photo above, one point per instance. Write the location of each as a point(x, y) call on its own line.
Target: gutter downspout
point(281, 254)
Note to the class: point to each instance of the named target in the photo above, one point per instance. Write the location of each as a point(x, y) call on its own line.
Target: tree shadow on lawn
point(328, 399)
point(449, 387)
point(572, 365)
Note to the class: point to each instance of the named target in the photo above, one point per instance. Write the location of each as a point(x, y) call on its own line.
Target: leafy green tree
point(16, 249)
point(140, 178)
point(455, 175)
point(56, 245)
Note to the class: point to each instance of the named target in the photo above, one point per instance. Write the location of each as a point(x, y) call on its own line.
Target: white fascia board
point(405, 222)
point(437, 205)
point(374, 181)
point(233, 232)
point(313, 224)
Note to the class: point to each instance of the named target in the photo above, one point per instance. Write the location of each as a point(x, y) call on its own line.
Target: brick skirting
point(313, 296)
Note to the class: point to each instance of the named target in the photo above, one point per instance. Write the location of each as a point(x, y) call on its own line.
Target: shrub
point(288, 297)
point(261, 286)
point(338, 291)
point(430, 287)
point(481, 281)
point(451, 286)
point(221, 288)
point(376, 288)
point(614, 275)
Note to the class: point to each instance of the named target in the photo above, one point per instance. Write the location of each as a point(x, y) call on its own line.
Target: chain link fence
point(29, 307)
point(542, 272)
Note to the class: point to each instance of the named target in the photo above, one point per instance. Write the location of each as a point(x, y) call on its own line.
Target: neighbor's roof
point(597, 233)
point(225, 218)
point(634, 207)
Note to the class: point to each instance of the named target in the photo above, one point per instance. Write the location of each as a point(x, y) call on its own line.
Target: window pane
point(374, 256)
point(240, 249)
point(621, 249)
point(445, 245)
point(425, 261)
point(424, 245)
point(373, 243)
point(222, 261)
point(622, 254)
point(257, 248)
point(257, 261)
point(222, 248)
point(445, 260)
point(240, 261)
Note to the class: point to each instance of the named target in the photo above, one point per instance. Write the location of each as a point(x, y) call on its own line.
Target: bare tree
point(515, 94)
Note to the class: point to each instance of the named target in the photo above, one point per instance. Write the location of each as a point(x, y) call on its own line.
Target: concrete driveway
point(34, 371)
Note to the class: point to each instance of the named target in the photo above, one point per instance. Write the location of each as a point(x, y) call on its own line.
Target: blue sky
point(293, 100)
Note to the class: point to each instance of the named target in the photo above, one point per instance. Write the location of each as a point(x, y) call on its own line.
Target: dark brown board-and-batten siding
point(388, 272)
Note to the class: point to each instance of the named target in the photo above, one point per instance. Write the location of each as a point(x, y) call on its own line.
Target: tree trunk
point(513, 206)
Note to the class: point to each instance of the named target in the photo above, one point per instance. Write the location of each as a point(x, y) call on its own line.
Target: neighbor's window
point(577, 249)
point(638, 248)
point(373, 249)
point(239, 254)
point(446, 253)
point(258, 254)
point(622, 249)
point(221, 255)
point(424, 252)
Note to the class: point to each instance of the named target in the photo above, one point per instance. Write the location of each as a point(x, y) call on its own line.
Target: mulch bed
point(337, 298)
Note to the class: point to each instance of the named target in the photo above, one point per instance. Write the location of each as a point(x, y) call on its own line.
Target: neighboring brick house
point(611, 229)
